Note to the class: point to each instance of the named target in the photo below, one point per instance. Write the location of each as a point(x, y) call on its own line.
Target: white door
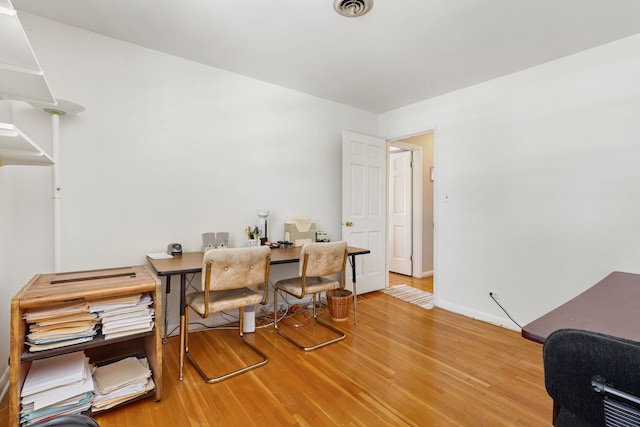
point(400, 209)
point(364, 175)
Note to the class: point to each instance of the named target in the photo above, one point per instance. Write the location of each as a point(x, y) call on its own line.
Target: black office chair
point(70, 420)
point(593, 379)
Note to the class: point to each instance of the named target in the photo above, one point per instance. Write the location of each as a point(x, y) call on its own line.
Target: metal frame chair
point(620, 407)
point(317, 260)
point(227, 278)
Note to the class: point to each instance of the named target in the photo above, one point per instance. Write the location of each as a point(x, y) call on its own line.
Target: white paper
point(60, 394)
point(159, 255)
point(118, 374)
point(53, 372)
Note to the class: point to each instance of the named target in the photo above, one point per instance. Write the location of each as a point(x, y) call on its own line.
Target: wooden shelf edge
point(97, 341)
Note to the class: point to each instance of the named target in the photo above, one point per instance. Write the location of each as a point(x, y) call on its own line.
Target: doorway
point(400, 211)
point(411, 222)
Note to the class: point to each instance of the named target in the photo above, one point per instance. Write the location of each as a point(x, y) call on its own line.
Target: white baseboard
point(504, 322)
point(423, 274)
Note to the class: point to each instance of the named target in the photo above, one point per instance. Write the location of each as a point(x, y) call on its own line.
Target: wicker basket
point(339, 302)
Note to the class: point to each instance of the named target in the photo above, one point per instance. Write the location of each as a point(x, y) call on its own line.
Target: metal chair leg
point(212, 380)
point(341, 335)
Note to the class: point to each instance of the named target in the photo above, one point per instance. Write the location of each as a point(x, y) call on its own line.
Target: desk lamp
point(263, 214)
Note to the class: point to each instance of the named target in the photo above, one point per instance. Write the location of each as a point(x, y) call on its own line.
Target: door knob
point(348, 224)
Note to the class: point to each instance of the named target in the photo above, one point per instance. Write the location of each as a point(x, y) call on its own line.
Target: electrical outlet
point(494, 294)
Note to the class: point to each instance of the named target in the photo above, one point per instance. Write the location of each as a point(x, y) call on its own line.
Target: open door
point(400, 212)
point(364, 174)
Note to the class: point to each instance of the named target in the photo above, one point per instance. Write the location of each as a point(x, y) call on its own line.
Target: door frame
point(436, 200)
point(417, 193)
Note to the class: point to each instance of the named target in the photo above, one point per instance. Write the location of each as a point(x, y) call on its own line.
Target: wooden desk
point(611, 306)
point(191, 262)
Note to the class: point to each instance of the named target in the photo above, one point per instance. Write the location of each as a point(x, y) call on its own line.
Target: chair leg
point(212, 380)
point(184, 331)
point(556, 412)
point(341, 335)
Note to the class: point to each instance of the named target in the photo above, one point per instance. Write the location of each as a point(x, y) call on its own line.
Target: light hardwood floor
point(401, 365)
point(425, 284)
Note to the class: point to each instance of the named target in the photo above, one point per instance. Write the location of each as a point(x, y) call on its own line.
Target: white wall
point(25, 232)
point(6, 240)
point(541, 172)
point(25, 239)
point(167, 149)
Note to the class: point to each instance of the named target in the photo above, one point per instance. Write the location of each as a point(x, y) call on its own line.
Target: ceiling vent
point(352, 8)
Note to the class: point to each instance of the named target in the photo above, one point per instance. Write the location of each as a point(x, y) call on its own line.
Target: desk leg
point(166, 309)
point(355, 294)
point(183, 289)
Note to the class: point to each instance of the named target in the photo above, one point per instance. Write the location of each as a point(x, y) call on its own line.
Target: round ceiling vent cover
point(352, 8)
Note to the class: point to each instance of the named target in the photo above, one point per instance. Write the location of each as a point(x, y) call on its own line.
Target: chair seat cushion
point(223, 300)
point(313, 285)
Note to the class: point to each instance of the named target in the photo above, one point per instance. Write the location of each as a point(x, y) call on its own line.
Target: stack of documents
point(124, 315)
point(121, 381)
point(59, 326)
point(55, 386)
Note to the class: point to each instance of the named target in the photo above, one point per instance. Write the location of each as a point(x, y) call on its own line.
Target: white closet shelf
point(16, 148)
point(21, 77)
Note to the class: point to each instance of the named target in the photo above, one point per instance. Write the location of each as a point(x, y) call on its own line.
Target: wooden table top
point(191, 262)
point(611, 306)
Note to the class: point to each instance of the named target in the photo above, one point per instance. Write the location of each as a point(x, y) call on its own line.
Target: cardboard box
point(299, 232)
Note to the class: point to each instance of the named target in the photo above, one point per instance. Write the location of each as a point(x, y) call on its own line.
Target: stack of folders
point(56, 386)
point(121, 381)
point(60, 325)
point(124, 315)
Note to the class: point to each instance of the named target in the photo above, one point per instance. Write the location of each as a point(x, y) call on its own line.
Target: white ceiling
point(401, 52)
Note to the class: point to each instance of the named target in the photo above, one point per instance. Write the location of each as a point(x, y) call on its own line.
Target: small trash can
point(339, 302)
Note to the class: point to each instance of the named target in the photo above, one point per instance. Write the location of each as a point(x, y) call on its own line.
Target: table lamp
point(263, 214)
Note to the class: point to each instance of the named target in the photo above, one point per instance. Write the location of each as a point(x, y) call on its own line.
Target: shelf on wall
point(20, 74)
point(21, 78)
point(17, 149)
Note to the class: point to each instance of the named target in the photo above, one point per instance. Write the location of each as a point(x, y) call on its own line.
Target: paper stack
point(121, 381)
point(59, 326)
point(55, 386)
point(124, 315)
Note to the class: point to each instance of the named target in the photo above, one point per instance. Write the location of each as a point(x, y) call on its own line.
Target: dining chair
point(231, 278)
point(317, 262)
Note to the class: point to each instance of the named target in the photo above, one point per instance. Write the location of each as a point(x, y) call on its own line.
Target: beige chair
point(231, 278)
point(317, 260)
